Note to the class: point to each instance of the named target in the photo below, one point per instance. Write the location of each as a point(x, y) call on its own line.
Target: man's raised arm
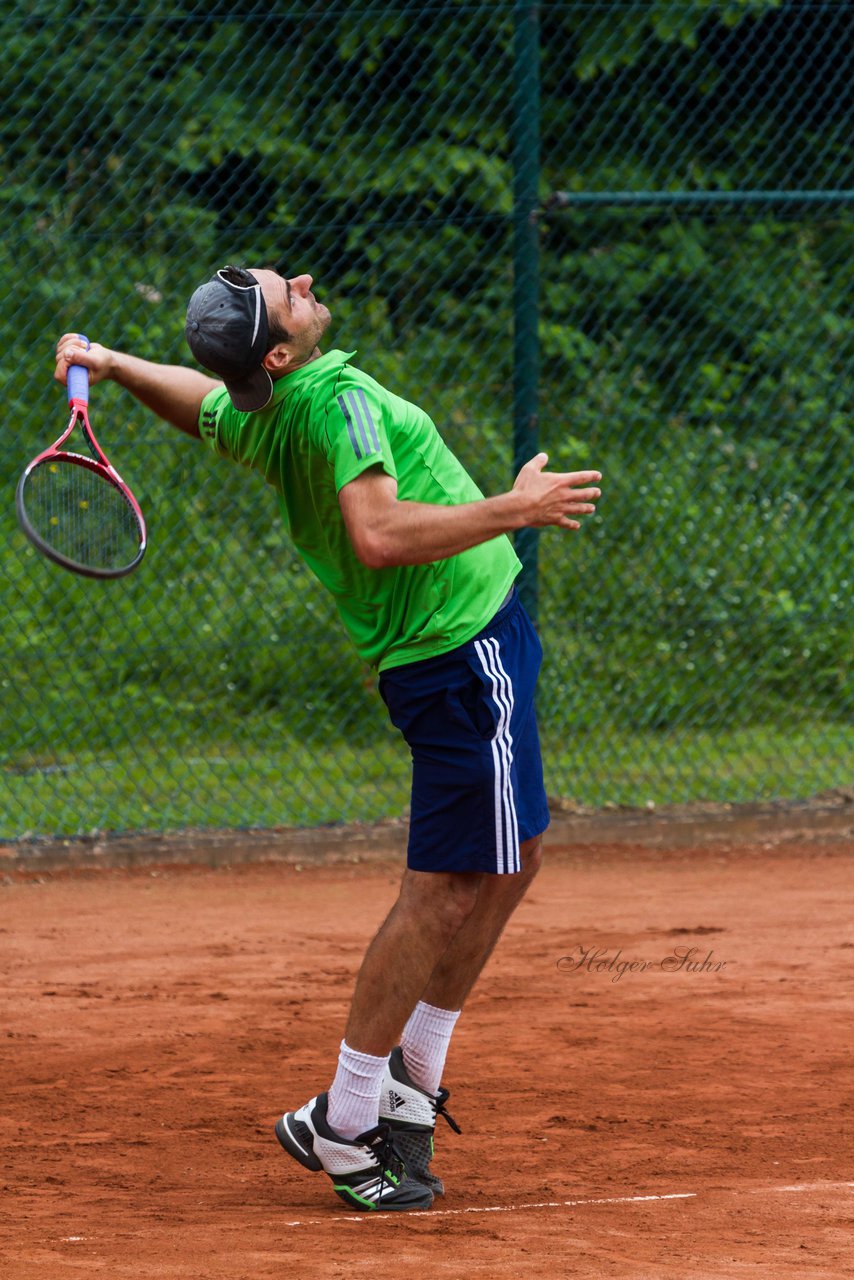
point(172, 391)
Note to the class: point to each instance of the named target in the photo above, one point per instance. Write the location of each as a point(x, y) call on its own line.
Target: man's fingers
point(70, 350)
point(69, 342)
point(584, 495)
point(76, 355)
point(574, 478)
point(69, 355)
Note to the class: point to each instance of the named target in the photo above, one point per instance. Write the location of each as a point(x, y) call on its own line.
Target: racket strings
point(81, 515)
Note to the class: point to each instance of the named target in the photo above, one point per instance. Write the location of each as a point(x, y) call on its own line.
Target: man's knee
point(531, 856)
point(448, 897)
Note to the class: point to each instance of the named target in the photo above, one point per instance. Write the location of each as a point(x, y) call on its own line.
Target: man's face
point(291, 304)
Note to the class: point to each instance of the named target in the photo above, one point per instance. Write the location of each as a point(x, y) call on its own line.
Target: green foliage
point(699, 357)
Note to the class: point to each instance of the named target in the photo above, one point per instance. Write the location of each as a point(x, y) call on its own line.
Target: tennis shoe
point(411, 1112)
point(368, 1172)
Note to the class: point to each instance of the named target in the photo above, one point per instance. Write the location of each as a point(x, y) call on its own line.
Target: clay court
point(688, 1116)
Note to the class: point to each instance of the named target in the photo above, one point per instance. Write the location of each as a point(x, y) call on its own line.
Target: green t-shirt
point(326, 424)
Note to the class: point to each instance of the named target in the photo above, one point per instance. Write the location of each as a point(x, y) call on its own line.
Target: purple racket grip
point(78, 378)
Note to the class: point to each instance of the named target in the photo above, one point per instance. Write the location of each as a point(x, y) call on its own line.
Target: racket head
point(80, 514)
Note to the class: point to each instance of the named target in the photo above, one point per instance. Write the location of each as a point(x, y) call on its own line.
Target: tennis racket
point(76, 508)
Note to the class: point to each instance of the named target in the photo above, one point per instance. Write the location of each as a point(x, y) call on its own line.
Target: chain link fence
point(620, 232)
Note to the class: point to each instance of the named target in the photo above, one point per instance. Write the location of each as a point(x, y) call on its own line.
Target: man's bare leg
point(425, 958)
point(429, 914)
point(431, 1025)
point(435, 941)
point(463, 960)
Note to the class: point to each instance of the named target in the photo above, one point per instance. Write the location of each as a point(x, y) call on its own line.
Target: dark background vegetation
point(698, 632)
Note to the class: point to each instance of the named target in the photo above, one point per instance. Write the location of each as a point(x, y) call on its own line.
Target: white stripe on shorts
point(506, 825)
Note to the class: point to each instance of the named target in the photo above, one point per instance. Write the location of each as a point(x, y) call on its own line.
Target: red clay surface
point(154, 1024)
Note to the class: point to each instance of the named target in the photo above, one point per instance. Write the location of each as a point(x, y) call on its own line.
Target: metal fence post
point(525, 138)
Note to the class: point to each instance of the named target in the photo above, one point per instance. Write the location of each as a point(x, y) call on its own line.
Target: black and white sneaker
point(410, 1112)
point(367, 1172)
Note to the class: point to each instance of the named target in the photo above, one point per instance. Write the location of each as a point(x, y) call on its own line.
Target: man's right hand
point(172, 391)
point(70, 350)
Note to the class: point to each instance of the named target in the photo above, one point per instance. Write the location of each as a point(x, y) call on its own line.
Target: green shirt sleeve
point(356, 434)
point(216, 422)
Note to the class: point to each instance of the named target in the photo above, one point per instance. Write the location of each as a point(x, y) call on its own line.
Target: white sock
point(354, 1095)
point(425, 1041)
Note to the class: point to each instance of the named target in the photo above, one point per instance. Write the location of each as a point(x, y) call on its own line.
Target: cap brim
point(248, 395)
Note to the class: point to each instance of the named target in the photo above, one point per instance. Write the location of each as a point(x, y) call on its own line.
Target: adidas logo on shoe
point(411, 1113)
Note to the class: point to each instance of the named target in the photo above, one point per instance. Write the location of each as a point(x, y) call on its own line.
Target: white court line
point(493, 1208)
point(552, 1204)
point(812, 1186)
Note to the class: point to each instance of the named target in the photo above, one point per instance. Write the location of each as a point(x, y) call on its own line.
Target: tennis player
point(422, 573)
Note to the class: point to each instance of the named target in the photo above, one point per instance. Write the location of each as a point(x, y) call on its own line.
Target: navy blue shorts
point(477, 774)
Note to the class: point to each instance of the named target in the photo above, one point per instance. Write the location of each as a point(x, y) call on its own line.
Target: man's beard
point(324, 319)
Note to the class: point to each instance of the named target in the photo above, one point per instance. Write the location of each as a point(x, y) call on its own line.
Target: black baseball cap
point(227, 332)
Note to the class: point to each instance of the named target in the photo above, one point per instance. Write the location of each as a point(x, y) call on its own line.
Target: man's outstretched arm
point(386, 531)
point(172, 391)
